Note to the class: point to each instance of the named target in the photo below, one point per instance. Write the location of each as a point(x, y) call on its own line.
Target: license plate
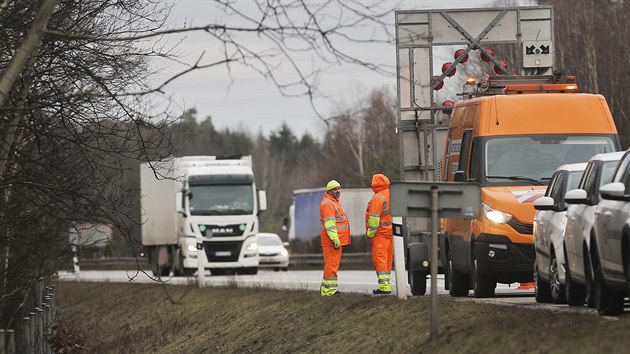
point(266, 259)
point(223, 253)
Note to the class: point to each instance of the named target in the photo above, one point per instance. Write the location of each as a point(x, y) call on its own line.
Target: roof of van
point(536, 113)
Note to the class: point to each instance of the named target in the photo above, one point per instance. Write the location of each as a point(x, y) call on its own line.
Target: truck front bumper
point(504, 261)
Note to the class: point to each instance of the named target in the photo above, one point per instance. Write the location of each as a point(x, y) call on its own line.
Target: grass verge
point(153, 318)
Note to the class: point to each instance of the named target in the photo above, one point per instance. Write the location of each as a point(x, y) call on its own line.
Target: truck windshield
point(533, 159)
point(221, 199)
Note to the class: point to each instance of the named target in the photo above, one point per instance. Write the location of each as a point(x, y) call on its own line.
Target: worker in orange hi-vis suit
point(335, 233)
point(378, 227)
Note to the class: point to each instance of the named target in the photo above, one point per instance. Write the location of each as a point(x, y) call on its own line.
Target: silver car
point(549, 223)
point(610, 254)
point(272, 251)
point(580, 218)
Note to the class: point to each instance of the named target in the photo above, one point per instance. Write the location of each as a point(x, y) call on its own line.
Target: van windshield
point(534, 159)
point(221, 199)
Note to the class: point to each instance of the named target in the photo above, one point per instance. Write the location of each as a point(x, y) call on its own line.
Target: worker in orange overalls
point(335, 233)
point(378, 227)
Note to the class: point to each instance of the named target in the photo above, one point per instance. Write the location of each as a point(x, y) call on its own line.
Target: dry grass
point(135, 318)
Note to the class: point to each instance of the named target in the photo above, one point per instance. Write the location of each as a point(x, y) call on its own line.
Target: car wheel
point(574, 291)
point(556, 287)
point(607, 301)
point(285, 269)
point(458, 283)
point(482, 286)
point(589, 287)
point(542, 293)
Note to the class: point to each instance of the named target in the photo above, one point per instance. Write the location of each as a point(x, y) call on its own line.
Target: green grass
point(153, 318)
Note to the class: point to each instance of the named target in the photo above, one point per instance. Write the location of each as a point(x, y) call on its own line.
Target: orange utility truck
point(486, 133)
point(511, 143)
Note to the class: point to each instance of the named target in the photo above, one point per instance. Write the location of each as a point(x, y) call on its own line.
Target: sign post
point(435, 200)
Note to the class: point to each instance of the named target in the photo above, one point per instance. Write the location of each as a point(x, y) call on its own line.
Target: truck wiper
point(240, 212)
point(519, 178)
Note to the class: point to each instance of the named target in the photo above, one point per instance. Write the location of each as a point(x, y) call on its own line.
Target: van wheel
point(574, 291)
point(608, 302)
point(458, 283)
point(418, 282)
point(482, 286)
point(557, 289)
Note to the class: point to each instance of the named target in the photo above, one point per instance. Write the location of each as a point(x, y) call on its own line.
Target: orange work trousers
point(382, 253)
point(332, 258)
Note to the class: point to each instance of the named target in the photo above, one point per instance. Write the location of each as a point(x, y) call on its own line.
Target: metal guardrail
point(296, 261)
point(37, 327)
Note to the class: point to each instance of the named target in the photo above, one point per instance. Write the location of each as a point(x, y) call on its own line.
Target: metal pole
point(75, 261)
point(3, 343)
point(434, 261)
point(39, 331)
point(10, 345)
point(31, 332)
point(27, 338)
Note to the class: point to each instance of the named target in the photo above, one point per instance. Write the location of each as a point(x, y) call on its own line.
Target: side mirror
point(614, 191)
point(576, 196)
point(460, 176)
point(285, 244)
point(262, 201)
point(544, 203)
point(180, 204)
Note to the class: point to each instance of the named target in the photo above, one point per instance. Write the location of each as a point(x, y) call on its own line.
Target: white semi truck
point(200, 208)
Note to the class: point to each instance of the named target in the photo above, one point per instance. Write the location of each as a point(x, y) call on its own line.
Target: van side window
point(464, 156)
point(475, 162)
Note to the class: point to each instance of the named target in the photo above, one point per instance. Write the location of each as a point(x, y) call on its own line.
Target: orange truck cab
point(511, 144)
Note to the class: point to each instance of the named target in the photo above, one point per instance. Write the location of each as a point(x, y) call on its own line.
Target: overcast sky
point(250, 101)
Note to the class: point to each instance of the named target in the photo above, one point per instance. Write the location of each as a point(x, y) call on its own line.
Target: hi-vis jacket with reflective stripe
point(378, 219)
point(334, 221)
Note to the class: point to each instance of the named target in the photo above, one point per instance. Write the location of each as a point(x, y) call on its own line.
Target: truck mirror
point(460, 176)
point(262, 201)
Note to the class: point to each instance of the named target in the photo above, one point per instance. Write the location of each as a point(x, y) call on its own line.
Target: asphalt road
point(350, 281)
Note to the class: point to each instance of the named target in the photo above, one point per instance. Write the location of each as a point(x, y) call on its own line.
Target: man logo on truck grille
point(222, 231)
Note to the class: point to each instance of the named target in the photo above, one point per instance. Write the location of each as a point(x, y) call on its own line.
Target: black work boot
point(380, 292)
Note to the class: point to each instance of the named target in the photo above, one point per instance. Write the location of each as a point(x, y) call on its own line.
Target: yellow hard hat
point(332, 185)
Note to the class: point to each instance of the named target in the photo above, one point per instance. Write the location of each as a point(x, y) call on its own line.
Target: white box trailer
point(304, 220)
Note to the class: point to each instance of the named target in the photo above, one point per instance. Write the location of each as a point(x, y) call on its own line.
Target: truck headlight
point(496, 215)
point(253, 246)
point(192, 248)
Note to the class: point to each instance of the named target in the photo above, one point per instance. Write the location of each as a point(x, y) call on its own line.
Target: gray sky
point(249, 101)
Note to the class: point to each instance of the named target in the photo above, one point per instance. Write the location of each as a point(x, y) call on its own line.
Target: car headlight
point(284, 253)
point(495, 215)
